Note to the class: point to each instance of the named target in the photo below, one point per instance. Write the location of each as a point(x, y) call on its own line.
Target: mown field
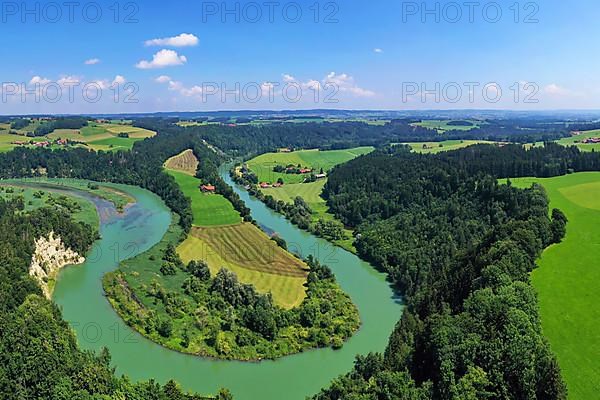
point(95, 136)
point(104, 136)
point(576, 141)
point(263, 165)
point(185, 162)
point(209, 209)
point(448, 145)
point(568, 282)
point(257, 260)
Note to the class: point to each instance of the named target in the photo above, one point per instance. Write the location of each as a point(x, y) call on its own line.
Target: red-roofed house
point(208, 188)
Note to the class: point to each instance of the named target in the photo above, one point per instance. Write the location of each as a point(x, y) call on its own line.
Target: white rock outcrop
point(49, 257)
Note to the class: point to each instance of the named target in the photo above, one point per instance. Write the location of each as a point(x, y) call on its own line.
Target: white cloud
point(162, 59)
point(119, 80)
point(38, 80)
point(183, 40)
point(346, 83)
point(69, 80)
point(555, 90)
point(163, 79)
point(176, 86)
point(378, 50)
point(92, 61)
point(288, 78)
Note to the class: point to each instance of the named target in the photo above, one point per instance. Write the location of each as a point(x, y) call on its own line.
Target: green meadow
point(448, 145)
point(209, 209)
point(82, 209)
point(568, 282)
point(315, 159)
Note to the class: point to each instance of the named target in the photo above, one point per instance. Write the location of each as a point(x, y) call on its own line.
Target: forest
point(40, 358)
point(246, 141)
point(459, 246)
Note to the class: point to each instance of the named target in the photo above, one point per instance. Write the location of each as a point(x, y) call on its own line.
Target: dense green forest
point(251, 140)
point(39, 358)
point(460, 247)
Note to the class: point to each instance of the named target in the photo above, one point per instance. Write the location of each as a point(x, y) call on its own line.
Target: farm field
point(442, 125)
point(575, 141)
point(568, 282)
point(95, 136)
point(257, 260)
point(448, 145)
point(263, 165)
point(104, 136)
point(185, 162)
point(208, 209)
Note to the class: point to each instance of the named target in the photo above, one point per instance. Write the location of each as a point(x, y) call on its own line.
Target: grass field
point(574, 141)
point(185, 162)
point(448, 145)
point(80, 208)
point(442, 125)
point(208, 209)
point(263, 165)
point(257, 260)
point(94, 136)
point(568, 282)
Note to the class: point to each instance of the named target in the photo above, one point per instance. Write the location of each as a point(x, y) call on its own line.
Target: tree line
point(40, 358)
point(459, 246)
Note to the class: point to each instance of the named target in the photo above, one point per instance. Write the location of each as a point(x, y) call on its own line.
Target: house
point(208, 188)
point(321, 176)
point(305, 171)
point(277, 185)
point(62, 142)
point(591, 140)
point(42, 144)
point(265, 185)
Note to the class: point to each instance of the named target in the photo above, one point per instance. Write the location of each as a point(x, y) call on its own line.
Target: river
point(79, 294)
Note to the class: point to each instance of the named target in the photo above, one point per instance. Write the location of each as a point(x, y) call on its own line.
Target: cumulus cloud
point(38, 80)
point(183, 40)
point(119, 80)
point(162, 59)
point(163, 79)
point(346, 83)
point(555, 90)
point(176, 86)
point(288, 78)
point(92, 61)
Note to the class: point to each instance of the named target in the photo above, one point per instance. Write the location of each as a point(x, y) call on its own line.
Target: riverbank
point(79, 293)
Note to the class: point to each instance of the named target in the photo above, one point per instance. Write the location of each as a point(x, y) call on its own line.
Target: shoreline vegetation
point(196, 292)
point(186, 308)
point(291, 183)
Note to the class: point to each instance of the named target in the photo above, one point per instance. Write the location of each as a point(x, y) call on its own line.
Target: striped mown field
point(185, 162)
point(247, 251)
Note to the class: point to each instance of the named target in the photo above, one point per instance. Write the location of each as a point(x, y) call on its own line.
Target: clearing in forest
point(316, 160)
point(185, 162)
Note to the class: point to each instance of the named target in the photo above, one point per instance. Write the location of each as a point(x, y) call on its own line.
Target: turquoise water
point(79, 294)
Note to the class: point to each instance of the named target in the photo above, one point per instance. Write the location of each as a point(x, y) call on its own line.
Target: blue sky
point(352, 54)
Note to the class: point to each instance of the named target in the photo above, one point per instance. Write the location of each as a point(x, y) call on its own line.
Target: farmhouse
point(305, 171)
point(321, 176)
point(265, 185)
point(208, 188)
point(591, 140)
